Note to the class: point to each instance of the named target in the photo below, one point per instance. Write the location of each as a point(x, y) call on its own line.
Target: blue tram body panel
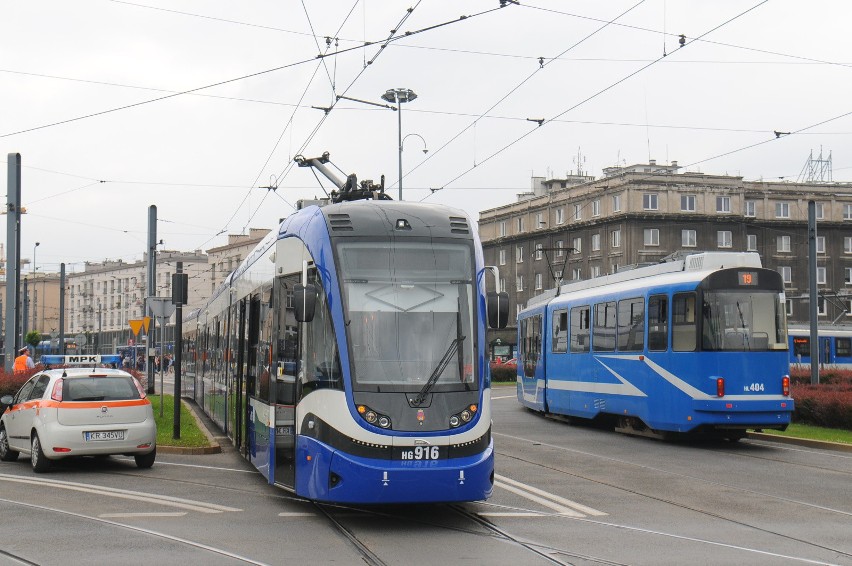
point(308, 401)
point(679, 349)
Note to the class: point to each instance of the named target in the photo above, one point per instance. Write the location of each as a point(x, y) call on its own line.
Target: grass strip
point(190, 435)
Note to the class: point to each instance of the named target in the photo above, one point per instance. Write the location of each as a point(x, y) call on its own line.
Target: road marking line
point(496, 514)
point(540, 500)
point(505, 397)
point(188, 504)
point(549, 496)
point(296, 514)
point(127, 515)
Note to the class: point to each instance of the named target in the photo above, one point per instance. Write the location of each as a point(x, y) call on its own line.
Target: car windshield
point(734, 320)
point(100, 388)
point(409, 314)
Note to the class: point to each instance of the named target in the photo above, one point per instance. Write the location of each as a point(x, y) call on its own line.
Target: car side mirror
point(498, 309)
point(305, 301)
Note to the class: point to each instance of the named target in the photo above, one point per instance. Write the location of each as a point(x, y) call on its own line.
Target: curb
point(822, 444)
point(214, 447)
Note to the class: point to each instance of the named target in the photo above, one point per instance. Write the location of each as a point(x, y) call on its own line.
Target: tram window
point(801, 346)
point(658, 323)
point(580, 329)
point(631, 325)
point(684, 329)
point(531, 343)
point(320, 358)
point(843, 347)
point(603, 335)
point(560, 332)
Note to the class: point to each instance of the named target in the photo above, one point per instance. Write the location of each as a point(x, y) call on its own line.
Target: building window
point(518, 308)
point(782, 210)
point(538, 281)
point(560, 248)
point(577, 273)
point(502, 284)
point(577, 244)
point(538, 252)
point(819, 210)
point(539, 221)
point(578, 212)
point(786, 273)
point(596, 207)
point(649, 201)
point(847, 212)
point(520, 225)
point(820, 276)
point(783, 243)
point(616, 203)
point(847, 275)
point(652, 237)
point(502, 256)
point(789, 307)
point(847, 245)
point(560, 216)
point(723, 204)
point(595, 271)
point(820, 244)
point(502, 228)
point(724, 239)
point(751, 243)
point(687, 203)
point(750, 208)
point(688, 238)
point(519, 283)
point(519, 254)
point(596, 242)
point(615, 237)
point(822, 306)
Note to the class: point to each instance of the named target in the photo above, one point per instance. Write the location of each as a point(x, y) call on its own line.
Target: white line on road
point(127, 515)
point(550, 496)
point(188, 504)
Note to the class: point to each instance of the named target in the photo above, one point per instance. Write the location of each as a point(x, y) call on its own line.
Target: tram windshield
point(735, 320)
point(409, 308)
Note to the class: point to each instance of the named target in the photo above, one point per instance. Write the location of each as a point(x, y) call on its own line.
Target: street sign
point(80, 339)
point(162, 307)
point(138, 324)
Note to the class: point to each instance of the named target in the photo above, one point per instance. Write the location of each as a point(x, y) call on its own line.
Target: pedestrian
point(23, 362)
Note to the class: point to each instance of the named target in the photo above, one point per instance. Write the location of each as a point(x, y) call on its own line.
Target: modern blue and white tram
point(697, 344)
point(834, 346)
point(346, 356)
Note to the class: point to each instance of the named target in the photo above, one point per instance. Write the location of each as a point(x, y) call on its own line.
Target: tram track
point(686, 507)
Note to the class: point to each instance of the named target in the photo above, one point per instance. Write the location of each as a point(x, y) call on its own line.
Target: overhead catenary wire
point(595, 95)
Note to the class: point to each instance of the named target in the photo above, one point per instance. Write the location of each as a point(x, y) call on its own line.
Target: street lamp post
point(399, 95)
point(35, 291)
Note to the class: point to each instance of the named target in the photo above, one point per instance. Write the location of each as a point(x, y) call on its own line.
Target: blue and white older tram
point(346, 356)
point(696, 344)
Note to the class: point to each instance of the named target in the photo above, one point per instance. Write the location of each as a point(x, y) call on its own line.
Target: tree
point(32, 338)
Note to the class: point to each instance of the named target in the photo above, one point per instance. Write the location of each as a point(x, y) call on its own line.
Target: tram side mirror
point(498, 309)
point(305, 301)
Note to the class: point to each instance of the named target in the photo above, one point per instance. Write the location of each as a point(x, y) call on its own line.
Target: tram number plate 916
point(419, 453)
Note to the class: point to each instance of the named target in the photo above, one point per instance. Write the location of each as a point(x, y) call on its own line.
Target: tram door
point(284, 372)
point(825, 354)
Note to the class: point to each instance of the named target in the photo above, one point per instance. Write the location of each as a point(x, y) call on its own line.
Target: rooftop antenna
point(816, 170)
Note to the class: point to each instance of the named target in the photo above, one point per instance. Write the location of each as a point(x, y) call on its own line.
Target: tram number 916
point(417, 453)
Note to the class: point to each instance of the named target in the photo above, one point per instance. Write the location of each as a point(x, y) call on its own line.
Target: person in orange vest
point(23, 362)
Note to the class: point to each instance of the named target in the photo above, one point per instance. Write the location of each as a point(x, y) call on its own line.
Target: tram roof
point(680, 268)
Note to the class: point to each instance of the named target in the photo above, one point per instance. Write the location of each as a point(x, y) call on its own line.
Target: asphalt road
point(565, 494)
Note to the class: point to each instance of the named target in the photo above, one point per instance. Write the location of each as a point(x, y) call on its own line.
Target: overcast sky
point(93, 95)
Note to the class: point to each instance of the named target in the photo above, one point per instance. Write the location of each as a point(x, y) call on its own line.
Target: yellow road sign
point(136, 326)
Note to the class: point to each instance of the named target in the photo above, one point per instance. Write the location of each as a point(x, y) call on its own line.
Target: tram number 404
point(754, 387)
point(420, 453)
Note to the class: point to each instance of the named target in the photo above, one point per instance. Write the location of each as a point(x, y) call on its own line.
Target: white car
point(80, 411)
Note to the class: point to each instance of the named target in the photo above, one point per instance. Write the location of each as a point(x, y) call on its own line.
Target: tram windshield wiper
point(439, 369)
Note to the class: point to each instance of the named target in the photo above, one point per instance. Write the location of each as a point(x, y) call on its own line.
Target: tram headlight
point(384, 422)
point(371, 417)
point(455, 421)
point(466, 415)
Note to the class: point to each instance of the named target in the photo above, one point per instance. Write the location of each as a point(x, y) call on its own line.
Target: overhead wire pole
point(150, 293)
point(13, 256)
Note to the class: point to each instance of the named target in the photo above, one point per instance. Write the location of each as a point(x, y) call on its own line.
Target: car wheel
point(39, 460)
point(146, 460)
point(6, 453)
